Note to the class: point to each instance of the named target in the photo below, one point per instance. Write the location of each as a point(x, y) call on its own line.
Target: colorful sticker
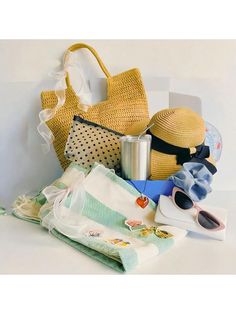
point(118, 242)
point(135, 225)
point(146, 232)
point(162, 234)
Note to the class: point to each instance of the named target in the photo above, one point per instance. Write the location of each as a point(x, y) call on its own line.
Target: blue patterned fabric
point(194, 179)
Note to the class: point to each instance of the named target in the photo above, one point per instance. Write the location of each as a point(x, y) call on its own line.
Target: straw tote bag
point(126, 103)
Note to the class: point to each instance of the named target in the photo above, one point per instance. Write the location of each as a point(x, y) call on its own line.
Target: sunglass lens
point(183, 201)
point(207, 221)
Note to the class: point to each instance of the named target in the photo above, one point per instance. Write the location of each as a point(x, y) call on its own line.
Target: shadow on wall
point(24, 166)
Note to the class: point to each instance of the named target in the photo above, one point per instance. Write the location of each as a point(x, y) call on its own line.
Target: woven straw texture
point(177, 126)
point(126, 103)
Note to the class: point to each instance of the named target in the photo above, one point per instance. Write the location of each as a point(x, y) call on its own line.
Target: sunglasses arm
point(198, 208)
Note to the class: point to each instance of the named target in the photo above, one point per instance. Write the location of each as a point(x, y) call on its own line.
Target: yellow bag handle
point(93, 51)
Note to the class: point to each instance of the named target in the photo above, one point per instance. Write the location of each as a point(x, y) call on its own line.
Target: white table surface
point(27, 248)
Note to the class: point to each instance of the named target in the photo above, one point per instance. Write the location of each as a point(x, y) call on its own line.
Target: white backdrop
point(206, 69)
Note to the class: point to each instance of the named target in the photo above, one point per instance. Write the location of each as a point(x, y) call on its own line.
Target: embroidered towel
point(100, 231)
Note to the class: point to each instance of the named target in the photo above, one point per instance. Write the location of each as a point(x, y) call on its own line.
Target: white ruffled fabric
point(60, 87)
point(63, 216)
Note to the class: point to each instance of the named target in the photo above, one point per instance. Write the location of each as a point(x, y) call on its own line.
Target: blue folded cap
point(195, 179)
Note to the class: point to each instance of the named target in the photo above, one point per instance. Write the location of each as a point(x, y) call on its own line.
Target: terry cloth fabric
point(101, 232)
point(2, 211)
point(194, 179)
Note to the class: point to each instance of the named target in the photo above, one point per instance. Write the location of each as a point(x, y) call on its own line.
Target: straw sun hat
point(178, 136)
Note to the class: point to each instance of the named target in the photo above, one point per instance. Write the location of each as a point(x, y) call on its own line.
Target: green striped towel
point(101, 232)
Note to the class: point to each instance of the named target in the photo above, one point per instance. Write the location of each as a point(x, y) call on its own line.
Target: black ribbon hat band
point(201, 152)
